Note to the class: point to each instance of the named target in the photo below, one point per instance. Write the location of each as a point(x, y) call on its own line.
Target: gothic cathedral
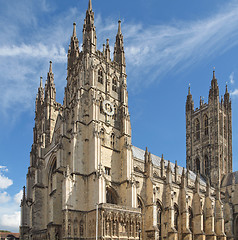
point(87, 181)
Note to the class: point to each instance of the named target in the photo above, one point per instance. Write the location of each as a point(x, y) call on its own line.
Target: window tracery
point(100, 76)
point(205, 124)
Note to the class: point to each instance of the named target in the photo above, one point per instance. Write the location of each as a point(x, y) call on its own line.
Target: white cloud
point(10, 220)
point(18, 197)
point(4, 197)
point(234, 93)
point(231, 77)
point(5, 182)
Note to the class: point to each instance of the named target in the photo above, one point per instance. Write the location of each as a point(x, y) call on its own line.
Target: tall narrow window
point(112, 140)
point(102, 136)
point(205, 124)
point(197, 129)
point(190, 219)
point(221, 123)
point(100, 76)
point(114, 84)
point(52, 171)
point(207, 167)
point(225, 128)
point(197, 165)
point(176, 216)
point(159, 220)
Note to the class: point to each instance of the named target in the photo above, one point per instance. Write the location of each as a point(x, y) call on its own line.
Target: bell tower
point(98, 121)
point(209, 135)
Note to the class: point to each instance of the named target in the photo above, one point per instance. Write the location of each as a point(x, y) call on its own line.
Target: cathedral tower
point(209, 135)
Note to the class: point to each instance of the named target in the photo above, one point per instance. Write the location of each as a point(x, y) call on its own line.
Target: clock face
point(108, 107)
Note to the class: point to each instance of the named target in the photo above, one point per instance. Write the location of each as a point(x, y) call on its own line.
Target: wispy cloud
point(160, 49)
point(5, 182)
point(234, 93)
point(231, 77)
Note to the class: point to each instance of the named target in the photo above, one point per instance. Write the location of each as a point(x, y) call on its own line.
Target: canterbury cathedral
point(87, 181)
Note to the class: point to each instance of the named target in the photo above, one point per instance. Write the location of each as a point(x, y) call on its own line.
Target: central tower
point(209, 135)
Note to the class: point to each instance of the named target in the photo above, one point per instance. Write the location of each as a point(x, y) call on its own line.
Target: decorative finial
point(41, 84)
point(189, 92)
point(107, 45)
point(214, 77)
point(90, 5)
point(50, 70)
point(226, 88)
point(74, 29)
point(119, 27)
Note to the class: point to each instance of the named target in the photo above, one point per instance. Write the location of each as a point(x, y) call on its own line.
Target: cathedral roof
point(228, 179)
point(140, 154)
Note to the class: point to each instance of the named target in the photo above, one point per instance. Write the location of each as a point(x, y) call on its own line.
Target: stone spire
point(189, 102)
point(107, 50)
point(50, 91)
point(214, 90)
point(39, 99)
point(119, 54)
point(73, 51)
point(89, 32)
point(162, 166)
point(227, 101)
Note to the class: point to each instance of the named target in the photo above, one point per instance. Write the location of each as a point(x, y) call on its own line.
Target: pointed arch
point(100, 75)
point(197, 129)
point(207, 166)
point(113, 140)
point(159, 219)
point(176, 216)
point(111, 195)
point(205, 122)
point(190, 217)
point(197, 164)
point(51, 171)
point(114, 84)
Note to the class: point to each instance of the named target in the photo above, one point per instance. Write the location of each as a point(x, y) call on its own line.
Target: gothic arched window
point(197, 165)
point(75, 227)
point(52, 172)
point(176, 216)
point(112, 140)
point(111, 196)
point(102, 136)
point(207, 167)
point(225, 128)
point(114, 84)
point(205, 124)
point(81, 227)
point(159, 219)
point(100, 76)
point(139, 203)
point(190, 215)
point(221, 123)
point(197, 129)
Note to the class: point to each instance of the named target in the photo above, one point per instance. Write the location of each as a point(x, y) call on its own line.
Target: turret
point(50, 91)
point(189, 102)
point(107, 51)
point(89, 32)
point(214, 89)
point(73, 51)
point(119, 54)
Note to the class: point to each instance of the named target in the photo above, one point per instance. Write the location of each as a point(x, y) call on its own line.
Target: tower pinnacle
point(50, 69)
point(74, 29)
point(89, 5)
point(119, 27)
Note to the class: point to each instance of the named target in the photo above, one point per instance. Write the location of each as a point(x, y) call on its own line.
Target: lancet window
point(159, 219)
point(102, 136)
point(225, 128)
point(197, 129)
point(205, 124)
point(190, 215)
point(114, 84)
point(197, 165)
point(112, 140)
point(52, 171)
point(176, 216)
point(100, 76)
point(207, 167)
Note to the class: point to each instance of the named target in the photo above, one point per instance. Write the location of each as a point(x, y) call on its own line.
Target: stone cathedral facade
point(87, 181)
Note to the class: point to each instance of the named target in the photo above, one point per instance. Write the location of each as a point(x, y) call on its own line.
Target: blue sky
point(168, 45)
